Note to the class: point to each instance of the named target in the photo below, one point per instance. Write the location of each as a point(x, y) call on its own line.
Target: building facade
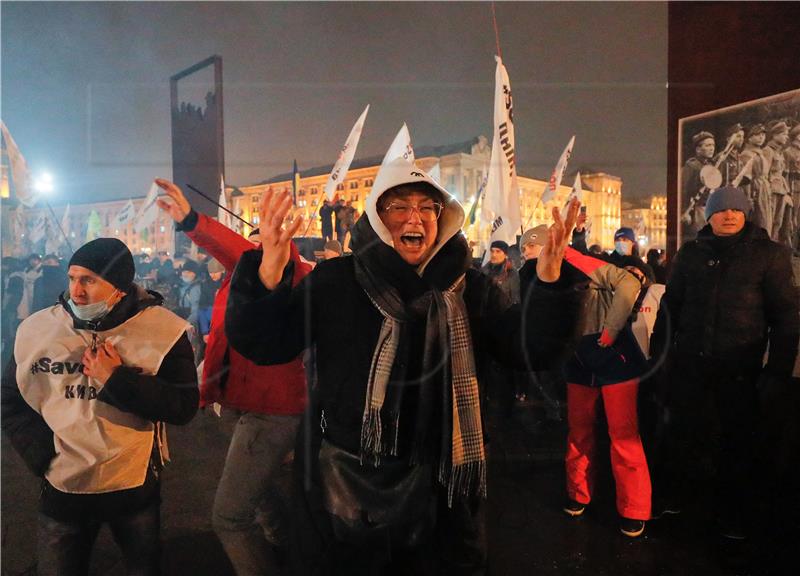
point(463, 168)
point(648, 223)
point(157, 237)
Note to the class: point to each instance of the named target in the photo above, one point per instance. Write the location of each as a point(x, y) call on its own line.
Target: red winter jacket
point(228, 377)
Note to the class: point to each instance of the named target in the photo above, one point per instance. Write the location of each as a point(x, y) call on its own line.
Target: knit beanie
point(501, 245)
point(727, 198)
point(626, 233)
point(109, 258)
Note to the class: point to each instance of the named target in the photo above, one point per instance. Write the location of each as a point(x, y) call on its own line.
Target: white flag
point(223, 217)
point(38, 228)
point(65, 220)
point(125, 216)
point(346, 154)
point(148, 213)
point(400, 148)
point(558, 173)
point(54, 238)
point(18, 230)
point(576, 192)
point(19, 169)
point(501, 198)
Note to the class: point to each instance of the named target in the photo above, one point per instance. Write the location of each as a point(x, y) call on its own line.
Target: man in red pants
point(606, 365)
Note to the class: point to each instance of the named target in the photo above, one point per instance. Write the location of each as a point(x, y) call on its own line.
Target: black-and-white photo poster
point(753, 145)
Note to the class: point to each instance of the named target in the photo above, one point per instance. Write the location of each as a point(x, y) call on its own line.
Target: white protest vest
point(646, 317)
point(99, 448)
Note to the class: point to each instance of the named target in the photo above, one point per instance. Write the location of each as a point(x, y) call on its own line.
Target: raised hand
point(179, 207)
point(275, 236)
point(548, 265)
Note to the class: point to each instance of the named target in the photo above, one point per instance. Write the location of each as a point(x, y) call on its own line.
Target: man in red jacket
point(269, 399)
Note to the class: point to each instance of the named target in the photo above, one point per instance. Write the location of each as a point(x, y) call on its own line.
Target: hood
point(402, 170)
point(131, 304)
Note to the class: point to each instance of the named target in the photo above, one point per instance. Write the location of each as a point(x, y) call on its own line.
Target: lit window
point(162, 228)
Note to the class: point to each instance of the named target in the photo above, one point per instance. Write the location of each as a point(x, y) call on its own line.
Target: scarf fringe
point(463, 480)
point(372, 435)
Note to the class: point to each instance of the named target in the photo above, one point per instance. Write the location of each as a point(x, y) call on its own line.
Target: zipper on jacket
point(323, 424)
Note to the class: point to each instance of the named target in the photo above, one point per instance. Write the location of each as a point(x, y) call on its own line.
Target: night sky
point(85, 86)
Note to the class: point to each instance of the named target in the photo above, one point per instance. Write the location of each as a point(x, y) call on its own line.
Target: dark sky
point(85, 86)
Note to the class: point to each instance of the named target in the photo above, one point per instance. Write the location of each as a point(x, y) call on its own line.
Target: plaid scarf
point(448, 365)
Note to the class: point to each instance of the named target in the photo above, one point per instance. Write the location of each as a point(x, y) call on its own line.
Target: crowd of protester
point(391, 473)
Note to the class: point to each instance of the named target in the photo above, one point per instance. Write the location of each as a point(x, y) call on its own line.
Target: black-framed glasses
point(428, 212)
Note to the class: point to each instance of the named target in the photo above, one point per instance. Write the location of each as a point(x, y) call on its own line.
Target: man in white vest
point(84, 398)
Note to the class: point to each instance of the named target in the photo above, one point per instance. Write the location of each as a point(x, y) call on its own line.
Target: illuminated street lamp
point(44, 184)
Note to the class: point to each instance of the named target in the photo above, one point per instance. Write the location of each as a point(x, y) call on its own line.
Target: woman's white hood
point(398, 168)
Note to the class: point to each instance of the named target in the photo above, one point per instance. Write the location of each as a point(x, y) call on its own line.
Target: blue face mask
point(623, 248)
point(89, 312)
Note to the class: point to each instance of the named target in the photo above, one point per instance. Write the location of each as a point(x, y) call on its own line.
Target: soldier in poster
point(792, 156)
point(730, 164)
point(693, 188)
point(778, 136)
point(758, 189)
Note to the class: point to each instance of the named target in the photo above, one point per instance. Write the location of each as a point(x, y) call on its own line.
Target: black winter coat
point(329, 309)
point(170, 396)
point(726, 298)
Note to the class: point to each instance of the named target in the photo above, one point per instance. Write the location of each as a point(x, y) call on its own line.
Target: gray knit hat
point(727, 198)
point(537, 236)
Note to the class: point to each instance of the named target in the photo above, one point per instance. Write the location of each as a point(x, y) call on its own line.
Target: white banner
point(558, 173)
point(125, 216)
point(148, 213)
point(576, 192)
point(38, 228)
point(222, 216)
point(346, 155)
point(501, 197)
point(19, 169)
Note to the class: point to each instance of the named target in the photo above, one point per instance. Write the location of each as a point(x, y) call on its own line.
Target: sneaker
point(574, 508)
point(631, 528)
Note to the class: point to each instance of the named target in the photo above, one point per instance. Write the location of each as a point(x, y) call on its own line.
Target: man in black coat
point(391, 469)
point(730, 293)
point(83, 398)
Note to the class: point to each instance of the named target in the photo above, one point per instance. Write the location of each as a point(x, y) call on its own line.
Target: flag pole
point(215, 203)
point(533, 212)
point(53, 216)
point(496, 32)
point(310, 220)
